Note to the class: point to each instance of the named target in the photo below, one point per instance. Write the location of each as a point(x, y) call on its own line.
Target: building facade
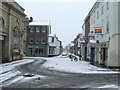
point(38, 39)
point(55, 46)
point(13, 28)
point(87, 30)
point(104, 24)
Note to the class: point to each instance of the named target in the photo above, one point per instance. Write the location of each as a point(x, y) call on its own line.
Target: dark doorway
point(85, 53)
point(92, 55)
point(105, 55)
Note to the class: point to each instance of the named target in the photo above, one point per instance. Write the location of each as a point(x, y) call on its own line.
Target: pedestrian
point(80, 57)
point(75, 58)
point(70, 56)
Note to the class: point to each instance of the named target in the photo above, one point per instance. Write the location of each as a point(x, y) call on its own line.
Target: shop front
point(36, 51)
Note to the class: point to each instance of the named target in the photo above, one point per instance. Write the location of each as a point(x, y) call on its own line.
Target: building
point(55, 46)
point(83, 45)
point(87, 30)
point(76, 43)
point(104, 33)
point(38, 39)
point(13, 28)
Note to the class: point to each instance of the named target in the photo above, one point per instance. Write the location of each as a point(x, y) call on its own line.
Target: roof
point(39, 23)
point(50, 35)
point(16, 6)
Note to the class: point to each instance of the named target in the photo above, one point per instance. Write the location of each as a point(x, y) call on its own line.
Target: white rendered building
point(105, 25)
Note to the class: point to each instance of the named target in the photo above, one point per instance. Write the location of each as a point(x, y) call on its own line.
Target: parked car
point(64, 54)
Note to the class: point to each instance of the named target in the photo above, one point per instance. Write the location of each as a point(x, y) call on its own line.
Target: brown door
point(105, 56)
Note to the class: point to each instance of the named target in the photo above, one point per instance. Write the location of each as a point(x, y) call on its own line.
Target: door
point(85, 52)
point(92, 55)
point(105, 56)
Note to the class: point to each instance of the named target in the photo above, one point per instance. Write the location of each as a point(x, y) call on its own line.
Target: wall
point(119, 33)
point(113, 58)
point(112, 35)
point(10, 15)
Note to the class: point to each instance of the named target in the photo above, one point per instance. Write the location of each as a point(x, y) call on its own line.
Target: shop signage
point(92, 35)
point(98, 31)
point(30, 46)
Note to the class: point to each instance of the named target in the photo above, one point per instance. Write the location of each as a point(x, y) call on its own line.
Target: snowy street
point(56, 72)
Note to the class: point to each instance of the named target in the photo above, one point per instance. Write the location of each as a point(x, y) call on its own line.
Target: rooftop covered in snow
point(37, 22)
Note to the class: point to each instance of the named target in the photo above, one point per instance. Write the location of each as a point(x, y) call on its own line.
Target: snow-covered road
point(50, 70)
point(65, 64)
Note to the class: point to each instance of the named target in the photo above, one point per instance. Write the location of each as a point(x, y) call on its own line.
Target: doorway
point(104, 56)
point(92, 55)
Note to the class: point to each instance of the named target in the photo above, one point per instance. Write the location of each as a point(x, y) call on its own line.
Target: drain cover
point(28, 75)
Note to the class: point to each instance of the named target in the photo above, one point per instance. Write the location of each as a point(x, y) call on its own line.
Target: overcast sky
point(66, 16)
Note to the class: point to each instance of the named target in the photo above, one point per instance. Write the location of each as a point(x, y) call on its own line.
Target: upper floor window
point(107, 4)
point(31, 41)
point(97, 14)
point(31, 29)
point(43, 41)
point(37, 29)
point(1, 21)
point(53, 39)
point(102, 10)
point(107, 24)
point(44, 29)
point(94, 18)
point(37, 41)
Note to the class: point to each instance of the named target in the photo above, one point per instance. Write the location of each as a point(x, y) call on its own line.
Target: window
point(1, 21)
point(43, 41)
point(94, 18)
point(31, 41)
point(102, 10)
point(97, 14)
point(44, 29)
point(31, 29)
point(37, 41)
point(37, 29)
point(107, 4)
point(102, 23)
point(107, 24)
point(53, 39)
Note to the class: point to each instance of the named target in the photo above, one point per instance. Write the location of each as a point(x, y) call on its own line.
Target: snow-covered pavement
point(65, 64)
point(11, 65)
point(8, 70)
